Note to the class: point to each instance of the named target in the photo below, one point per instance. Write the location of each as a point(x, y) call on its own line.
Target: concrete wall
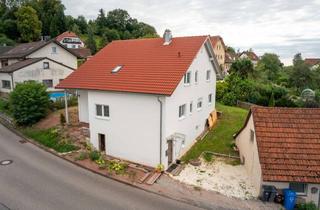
point(249, 154)
point(133, 129)
point(83, 106)
point(194, 123)
point(36, 72)
point(61, 56)
point(308, 197)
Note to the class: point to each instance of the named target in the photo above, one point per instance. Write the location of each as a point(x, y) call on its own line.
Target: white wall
point(249, 153)
point(194, 123)
point(5, 76)
point(132, 132)
point(36, 72)
point(83, 106)
point(61, 56)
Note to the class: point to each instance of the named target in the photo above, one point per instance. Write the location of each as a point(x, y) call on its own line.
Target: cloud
point(281, 26)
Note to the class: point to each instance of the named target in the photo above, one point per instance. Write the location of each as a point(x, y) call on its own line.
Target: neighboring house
point(312, 62)
point(70, 40)
point(43, 61)
point(147, 100)
point(251, 56)
point(219, 49)
point(280, 147)
point(229, 59)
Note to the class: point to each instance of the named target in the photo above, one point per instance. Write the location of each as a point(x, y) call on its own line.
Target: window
point(45, 65)
point(116, 69)
point(187, 78)
point(210, 98)
point(182, 111)
point(48, 83)
point(251, 135)
point(299, 188)
point(73, 46)
point(196, 77)
point(190, 107)
point(4, 63)
point(199, 104)
point(54, 50)
point(6, 84)
point(208, 75)
point(102, 110)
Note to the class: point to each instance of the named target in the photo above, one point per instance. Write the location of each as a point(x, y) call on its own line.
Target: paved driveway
point(39, 180)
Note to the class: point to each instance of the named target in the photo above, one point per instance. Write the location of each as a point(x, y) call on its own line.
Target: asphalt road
point(39, 180)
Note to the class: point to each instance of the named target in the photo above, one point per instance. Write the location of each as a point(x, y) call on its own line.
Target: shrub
point(101, 163)
point(160, 168)
point(62, 119)
point(82, 156)
point(221, 90)
point(307, 206)
point(29, 102)
point(117, 167)
point(94, 155)
point(229, 99)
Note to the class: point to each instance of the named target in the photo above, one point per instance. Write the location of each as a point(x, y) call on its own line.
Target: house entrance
point(102, 142)
point(170, 151)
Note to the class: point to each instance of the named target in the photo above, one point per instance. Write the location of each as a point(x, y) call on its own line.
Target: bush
point(94, 155)
point(29, 102)
point(229, 99)
point(101, 163)
point(307, 206)
point(82, 156)
point(117, 167)
point(222, 89)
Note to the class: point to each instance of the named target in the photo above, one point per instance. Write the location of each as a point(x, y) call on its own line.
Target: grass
point(220, 138)
point(49, 138)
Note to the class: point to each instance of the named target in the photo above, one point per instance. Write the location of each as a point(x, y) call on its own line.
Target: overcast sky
point(284, 27)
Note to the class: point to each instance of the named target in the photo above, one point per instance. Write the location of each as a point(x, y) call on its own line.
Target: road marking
point(5, 162)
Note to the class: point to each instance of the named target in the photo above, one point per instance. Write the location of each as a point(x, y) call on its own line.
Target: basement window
point(116, 69)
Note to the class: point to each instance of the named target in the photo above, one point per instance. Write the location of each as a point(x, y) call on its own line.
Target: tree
point(270, 65)
point(101, 22)
point(242, 67)
point(91, 43)
point(28, 24)
point(82, 24)
point(29, 102)
point(119, 19)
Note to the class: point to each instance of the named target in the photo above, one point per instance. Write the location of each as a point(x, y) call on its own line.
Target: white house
point(251, 56)
point(47, 62)
point(70, 40)
point(280, 147)
point(147, 100)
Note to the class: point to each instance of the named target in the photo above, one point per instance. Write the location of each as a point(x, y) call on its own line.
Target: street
point(39, 180)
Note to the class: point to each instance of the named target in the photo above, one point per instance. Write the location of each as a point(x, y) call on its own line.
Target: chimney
point(167, 36)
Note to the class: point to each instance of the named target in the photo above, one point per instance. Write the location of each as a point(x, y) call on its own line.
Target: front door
point(170, 152)
point(102, 142)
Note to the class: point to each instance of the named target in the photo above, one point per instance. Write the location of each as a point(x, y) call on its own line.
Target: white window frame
point(208, 77)
point(305, 185)
point(4, 85)
point(210, 99)
point(196, 77)
point(182, 111)
point(199, 102)
point(103, 107)
point(187, 78)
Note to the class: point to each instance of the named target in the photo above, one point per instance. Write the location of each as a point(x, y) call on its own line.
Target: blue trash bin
point(289, 199)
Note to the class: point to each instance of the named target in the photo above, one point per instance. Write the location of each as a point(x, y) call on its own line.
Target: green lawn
point(49, 138)
point(220, 138)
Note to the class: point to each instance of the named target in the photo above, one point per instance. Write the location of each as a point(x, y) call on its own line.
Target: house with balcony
point(48, 62)
point(147, 100)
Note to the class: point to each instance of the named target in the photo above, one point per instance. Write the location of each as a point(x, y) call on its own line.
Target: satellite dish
point(308, 95)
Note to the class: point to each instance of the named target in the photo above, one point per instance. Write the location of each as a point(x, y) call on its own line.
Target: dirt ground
point(53, 119)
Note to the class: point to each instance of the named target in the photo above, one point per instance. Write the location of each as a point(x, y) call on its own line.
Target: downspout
point(160, 140)
point(12, 84)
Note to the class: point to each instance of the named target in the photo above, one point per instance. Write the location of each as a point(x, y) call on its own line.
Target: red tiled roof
point(148, 66)
point(312, 61)
point(82, 52)
point(250, 55)
point(288, 143)
point(215, 40)
point(66, 34)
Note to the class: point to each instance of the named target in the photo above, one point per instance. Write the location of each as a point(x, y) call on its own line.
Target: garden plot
point(221, 177)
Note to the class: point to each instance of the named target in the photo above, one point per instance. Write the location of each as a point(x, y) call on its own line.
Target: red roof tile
point(251, 55)
point(148, 66)
point(288, 143)
point(312, 61)
point(65, 34)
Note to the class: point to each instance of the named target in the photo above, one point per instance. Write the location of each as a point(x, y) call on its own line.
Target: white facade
point(36, 72)
point(132, 132)
point(72, 42)
point(57, 53)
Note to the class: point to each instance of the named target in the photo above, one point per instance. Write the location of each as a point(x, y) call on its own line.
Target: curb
point(18, 133)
